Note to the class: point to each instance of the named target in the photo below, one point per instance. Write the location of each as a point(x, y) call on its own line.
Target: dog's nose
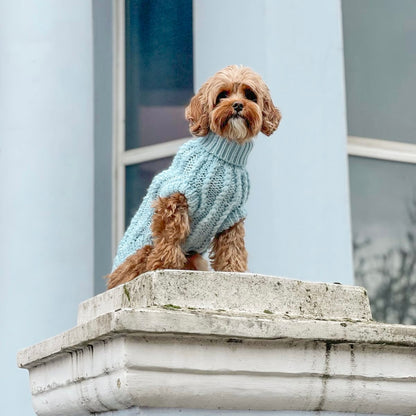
point(238, 106)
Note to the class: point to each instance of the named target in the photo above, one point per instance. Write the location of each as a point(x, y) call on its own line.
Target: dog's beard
point(236, 129)
point(240, 127)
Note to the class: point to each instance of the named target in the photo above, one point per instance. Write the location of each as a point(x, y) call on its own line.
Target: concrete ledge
point(172, 355)
point(232, 292)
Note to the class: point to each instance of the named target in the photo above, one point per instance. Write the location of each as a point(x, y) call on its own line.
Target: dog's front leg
point(170, 228)
point(228, 251)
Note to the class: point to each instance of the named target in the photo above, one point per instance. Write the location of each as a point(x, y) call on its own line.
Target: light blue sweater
point(211, 172)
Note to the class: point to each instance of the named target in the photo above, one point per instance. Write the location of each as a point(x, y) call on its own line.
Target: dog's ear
point(271, 115)
point(197, 113)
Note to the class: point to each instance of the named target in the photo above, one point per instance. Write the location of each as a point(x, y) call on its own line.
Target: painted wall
point(298, 221)
point(46, 178)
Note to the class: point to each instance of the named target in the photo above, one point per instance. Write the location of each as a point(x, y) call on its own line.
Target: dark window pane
point(383, 208)
point(159, 70)
point(380, 68)
point(138, 178)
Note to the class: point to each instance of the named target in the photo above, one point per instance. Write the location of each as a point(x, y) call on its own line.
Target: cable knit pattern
point(211, 172)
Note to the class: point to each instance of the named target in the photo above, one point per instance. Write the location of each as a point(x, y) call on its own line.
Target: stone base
point(225, 341)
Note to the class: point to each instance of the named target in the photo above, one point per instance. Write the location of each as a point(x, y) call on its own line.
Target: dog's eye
point(250, 95)
point(220, 96)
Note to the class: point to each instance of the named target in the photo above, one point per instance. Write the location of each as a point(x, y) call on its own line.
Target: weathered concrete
point(232, 292)
point(167, 339)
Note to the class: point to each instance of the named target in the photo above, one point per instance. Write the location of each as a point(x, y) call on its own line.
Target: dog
point(198, 203)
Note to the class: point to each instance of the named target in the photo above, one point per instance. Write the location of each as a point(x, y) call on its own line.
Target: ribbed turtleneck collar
point(228, 150)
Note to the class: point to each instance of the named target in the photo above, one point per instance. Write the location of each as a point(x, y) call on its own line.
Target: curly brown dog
point(198, 204)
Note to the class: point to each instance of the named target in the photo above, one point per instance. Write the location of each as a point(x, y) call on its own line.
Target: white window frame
point(121, 157)
point(382, 149)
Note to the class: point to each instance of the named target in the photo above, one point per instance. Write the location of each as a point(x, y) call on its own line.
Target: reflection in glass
point(138, 178)
point(383, 210)
point(159, 70)
point(380, 68)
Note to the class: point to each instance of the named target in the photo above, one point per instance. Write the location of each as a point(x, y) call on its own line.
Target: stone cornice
point(178, 355)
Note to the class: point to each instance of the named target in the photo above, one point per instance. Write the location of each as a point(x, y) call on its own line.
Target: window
point(380, 63)
point(154, 83)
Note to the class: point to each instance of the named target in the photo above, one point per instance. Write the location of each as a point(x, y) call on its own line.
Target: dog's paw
point(196, 262)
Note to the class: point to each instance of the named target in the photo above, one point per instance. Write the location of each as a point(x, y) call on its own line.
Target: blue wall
point(46, 179)
point(298, 221)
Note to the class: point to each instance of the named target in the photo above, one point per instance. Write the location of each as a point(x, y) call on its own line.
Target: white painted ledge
point(230, 341)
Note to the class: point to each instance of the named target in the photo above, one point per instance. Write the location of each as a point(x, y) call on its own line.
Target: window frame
point(381, 149)
point(122, 157)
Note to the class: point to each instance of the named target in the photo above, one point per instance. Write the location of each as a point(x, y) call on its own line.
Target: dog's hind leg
point(170, 228)
point(130, 268)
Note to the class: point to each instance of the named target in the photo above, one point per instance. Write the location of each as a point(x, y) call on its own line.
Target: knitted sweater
point(211, 172)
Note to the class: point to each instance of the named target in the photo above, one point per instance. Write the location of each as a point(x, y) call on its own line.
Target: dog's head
point(235, 103)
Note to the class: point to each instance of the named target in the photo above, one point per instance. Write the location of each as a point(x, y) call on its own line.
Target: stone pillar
point(206, 340)
point(46, 177)
point(298, 220)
